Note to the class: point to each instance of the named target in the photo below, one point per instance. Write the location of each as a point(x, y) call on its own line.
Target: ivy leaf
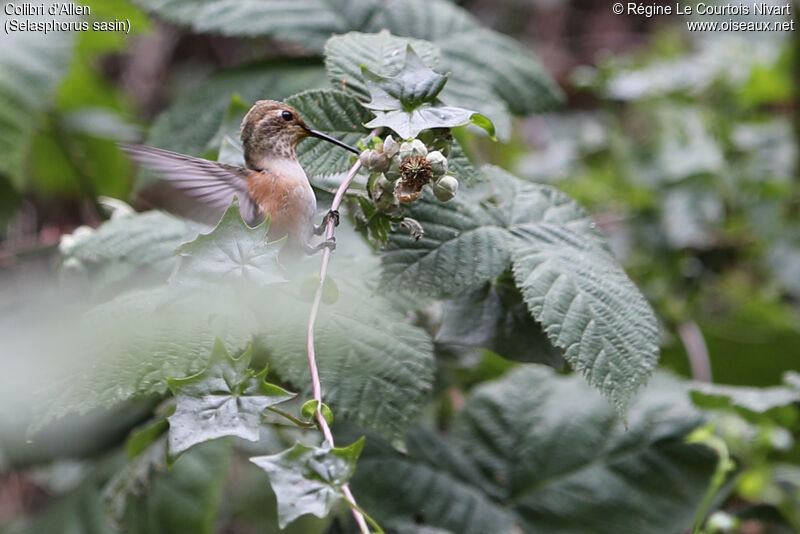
point(414, 85)
point(225, 399)
point(308, 480)
point(407, 102)
point(408, 124)
point(231, 252)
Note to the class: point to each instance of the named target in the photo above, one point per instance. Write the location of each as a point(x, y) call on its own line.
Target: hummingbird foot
point(332, 214)
point(328, 243)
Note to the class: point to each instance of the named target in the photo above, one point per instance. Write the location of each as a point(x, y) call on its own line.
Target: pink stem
point(316, 386)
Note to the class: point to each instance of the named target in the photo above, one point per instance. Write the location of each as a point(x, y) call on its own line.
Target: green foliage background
point(504, 369)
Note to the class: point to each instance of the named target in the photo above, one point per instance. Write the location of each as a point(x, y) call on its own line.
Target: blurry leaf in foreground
point(376, 369)
point(308, 480)
point(31, 65)
point(226, 399)
point(779, 401)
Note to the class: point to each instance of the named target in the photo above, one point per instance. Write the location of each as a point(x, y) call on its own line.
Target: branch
point(316, 386)
point(696, 349)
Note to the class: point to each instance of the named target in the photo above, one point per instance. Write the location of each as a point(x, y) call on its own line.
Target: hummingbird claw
point(328, 243)
point(332, 214)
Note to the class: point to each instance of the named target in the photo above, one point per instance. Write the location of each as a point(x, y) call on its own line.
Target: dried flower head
point(415, 172)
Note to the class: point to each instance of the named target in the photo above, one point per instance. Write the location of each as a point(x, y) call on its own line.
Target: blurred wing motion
point(194, 188)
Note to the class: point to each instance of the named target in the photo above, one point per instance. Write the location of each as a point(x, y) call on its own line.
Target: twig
point(316, 386)
point(696, 348)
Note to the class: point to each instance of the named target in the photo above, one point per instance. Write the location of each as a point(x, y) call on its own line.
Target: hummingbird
point(272, 182)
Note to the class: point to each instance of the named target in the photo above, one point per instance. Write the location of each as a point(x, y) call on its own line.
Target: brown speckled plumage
point(266, 134)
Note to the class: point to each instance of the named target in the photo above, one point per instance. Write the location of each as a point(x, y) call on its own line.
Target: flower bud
point(393, 172)
point(390, 146)
point(383, 183)
point(438, 163)
point(374, 161)
point(412, 149)
point(445, 188)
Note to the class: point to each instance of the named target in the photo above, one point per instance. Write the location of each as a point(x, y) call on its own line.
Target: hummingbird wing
point(194, 188)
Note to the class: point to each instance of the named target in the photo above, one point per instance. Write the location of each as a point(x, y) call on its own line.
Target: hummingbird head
point(271, 129)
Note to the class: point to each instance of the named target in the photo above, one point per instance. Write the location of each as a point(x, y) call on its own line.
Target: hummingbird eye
point(287, 116)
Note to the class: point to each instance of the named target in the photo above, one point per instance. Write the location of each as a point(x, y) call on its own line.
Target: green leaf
point(408, 124)
point(505, 77)
point(463, 247)
point(407, 102)
point(308, 480)
point(382, 54)
point(572, 285)
point(308, 23)
point(226, 399)
point(537, 452)
point(232, 252)
point(751, 399)
point(129, 346)
point(415, 84)
point(495, 317)
point(339, 115)
point(31, 66)
point(376, 369)
point(138, 244)
point(185, 499)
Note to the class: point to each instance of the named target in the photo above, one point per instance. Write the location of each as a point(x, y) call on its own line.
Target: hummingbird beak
point(328, 138)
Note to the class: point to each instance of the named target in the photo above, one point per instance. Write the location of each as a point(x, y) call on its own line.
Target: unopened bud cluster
point(402, 169)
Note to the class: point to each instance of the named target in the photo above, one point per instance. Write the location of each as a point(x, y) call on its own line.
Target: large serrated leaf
point(305, 22)
point(462, 248)
point(336, 113)
point(572, 285)
point(495, 317)
point(376, 369)
point(124, 247)
point(31, 65)
point(536, 452)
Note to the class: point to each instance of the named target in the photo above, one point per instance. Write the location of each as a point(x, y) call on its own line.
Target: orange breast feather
point(289, 203)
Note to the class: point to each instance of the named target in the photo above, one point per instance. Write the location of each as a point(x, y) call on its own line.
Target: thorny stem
point(316, 386)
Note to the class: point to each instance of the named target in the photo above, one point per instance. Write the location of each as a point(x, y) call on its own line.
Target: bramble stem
point(316, 386)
